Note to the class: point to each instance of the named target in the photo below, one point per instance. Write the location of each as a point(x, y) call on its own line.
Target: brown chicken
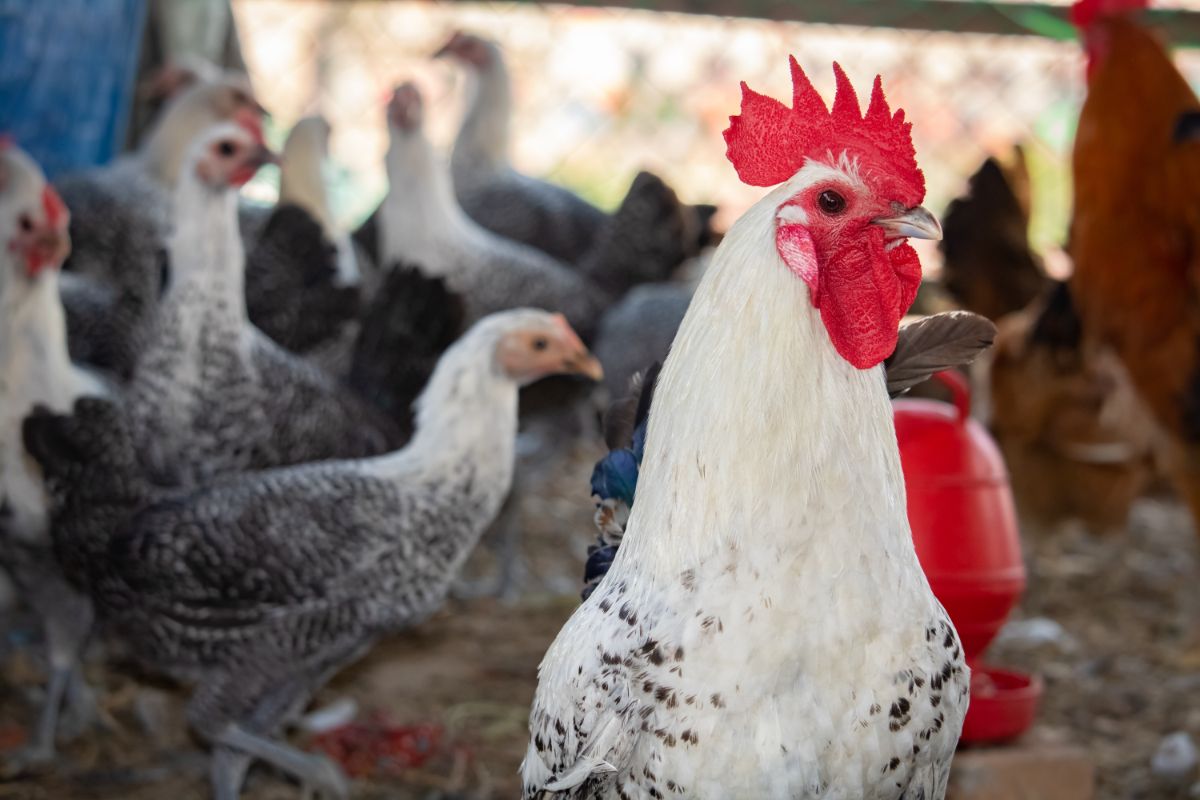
point(1135, 236)
point(987, 264)
point(1078, 443)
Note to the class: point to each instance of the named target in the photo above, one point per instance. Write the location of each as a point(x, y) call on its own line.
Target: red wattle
point(242, 175)
point(865, 290)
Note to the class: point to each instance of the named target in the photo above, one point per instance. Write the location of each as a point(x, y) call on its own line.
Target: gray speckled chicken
point(259, 588)
point(121, 218)
point(765, 629)
point(35, 369)
point(211, 394)
point(142, 182)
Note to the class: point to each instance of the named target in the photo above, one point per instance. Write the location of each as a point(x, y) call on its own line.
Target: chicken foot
point(235, 747)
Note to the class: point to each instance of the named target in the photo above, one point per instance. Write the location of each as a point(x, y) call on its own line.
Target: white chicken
point(35, 370)
point(765, 629)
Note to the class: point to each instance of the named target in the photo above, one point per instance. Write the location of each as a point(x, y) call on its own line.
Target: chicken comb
point(251, 122)
point(1085, 12)
point(6, 141)
point(768, 142)
point(53, 207)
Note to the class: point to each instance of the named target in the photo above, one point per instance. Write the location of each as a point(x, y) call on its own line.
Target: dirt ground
point(1113, 625)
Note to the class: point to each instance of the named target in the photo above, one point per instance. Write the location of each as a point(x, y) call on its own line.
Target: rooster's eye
point(226, 148)
point(540, 344)
point(831, 202)
point(25, 223)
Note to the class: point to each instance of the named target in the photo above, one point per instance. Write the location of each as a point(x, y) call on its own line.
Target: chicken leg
point(66, 618)
point(228, 773)
point(316, 774)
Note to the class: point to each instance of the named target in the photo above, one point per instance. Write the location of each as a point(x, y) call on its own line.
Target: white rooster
point(765, 629)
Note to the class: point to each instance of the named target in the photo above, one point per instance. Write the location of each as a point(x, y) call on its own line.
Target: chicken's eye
point(25, 223)
point(831, 202)
point(540, 343)
point(226, 148)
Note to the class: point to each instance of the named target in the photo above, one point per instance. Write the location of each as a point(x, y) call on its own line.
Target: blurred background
point(599, 92)
point(1110, 617)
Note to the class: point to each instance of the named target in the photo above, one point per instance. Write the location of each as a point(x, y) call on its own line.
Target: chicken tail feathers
point(407, 327)
point(935, 343)
point(292, 293)
point(614, 478)
point(706, 234)
point(648, 236)
point(92, 476)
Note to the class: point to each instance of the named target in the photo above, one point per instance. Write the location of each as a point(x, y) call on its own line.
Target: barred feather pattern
point(211, 394)
point(259, 586)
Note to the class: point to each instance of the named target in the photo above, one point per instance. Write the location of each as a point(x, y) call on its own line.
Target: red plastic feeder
point(964, 526)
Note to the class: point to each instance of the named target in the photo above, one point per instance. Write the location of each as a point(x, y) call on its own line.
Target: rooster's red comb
point(769, 142)
point(1085, 12)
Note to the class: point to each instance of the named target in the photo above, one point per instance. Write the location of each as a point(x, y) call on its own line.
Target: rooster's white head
point(852, 192)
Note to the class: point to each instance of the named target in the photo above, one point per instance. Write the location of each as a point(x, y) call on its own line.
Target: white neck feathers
point(302, 183)
point(466, 414)
point(420, 210)
point(166, 145)
point(760, 432)
point(33, 346)
point(483, 138)
point(206, 249)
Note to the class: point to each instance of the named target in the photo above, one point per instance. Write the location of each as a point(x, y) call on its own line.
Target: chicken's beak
point(578, 359)
point(587, 365)
point(914, 223)
point(263, 156)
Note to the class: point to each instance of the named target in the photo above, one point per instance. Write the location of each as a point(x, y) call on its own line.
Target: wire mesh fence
point(601, 92)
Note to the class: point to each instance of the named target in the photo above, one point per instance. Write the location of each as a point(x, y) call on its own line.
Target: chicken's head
point(230, 97)
point(406, 110)
point(534, 344)
point(228, 154)
point(33, 219)
point(310, 136)
point(1093, 17)
point(853, 194)
point(194, 109)
point(469, 49)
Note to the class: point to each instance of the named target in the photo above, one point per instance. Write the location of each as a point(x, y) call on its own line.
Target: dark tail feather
point(291, 294)
point(702, 216)
point(367, 236)
point(92, 476)
point(626, 414)
point(409, 324)
point(650, 235)
point(614, 479)
point(938, 342)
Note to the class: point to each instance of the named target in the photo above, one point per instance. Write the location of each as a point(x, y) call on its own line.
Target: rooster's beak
point(915, 223)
